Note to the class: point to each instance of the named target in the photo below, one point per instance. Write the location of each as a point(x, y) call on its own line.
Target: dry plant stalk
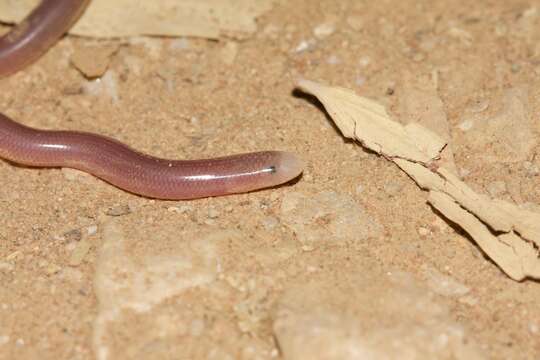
point(508, 234)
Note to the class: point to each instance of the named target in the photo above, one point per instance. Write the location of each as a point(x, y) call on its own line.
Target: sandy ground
point(348, 262)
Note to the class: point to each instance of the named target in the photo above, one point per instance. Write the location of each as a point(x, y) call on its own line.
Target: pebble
point(324, 30)
point(270, 223)
point(91, 230)
point(72, 235)
point(466, 125)
point(304, 45)
point(307, 248)
point(52, 269)
point(478, 106)
point(118, 210)
point(364, 61)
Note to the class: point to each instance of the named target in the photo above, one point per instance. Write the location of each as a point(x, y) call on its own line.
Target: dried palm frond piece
point(123, 18)
point(508, 234)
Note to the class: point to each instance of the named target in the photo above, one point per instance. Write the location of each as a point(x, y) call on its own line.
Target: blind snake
point(107, 158)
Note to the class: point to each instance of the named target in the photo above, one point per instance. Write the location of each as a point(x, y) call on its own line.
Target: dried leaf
point(509, 235)
point(122, 18)
point(420, 103)
point(368, 122)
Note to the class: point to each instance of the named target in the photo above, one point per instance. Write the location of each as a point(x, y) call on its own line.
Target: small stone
point(270, 223)
point(73, 235)
point(466, 125)
point(19, 342)
point(324, 30)
point(423, 231)
point(118, 210)
point(364, 61)
point(91, 230)
point(305, 45)
point(478, 106)
point(308, 248)
point(534, 328)
point(52, 269)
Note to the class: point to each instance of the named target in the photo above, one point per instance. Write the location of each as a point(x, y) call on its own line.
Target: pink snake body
point(109, 159)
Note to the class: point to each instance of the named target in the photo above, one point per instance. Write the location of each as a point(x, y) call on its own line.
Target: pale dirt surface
point(349, 262)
